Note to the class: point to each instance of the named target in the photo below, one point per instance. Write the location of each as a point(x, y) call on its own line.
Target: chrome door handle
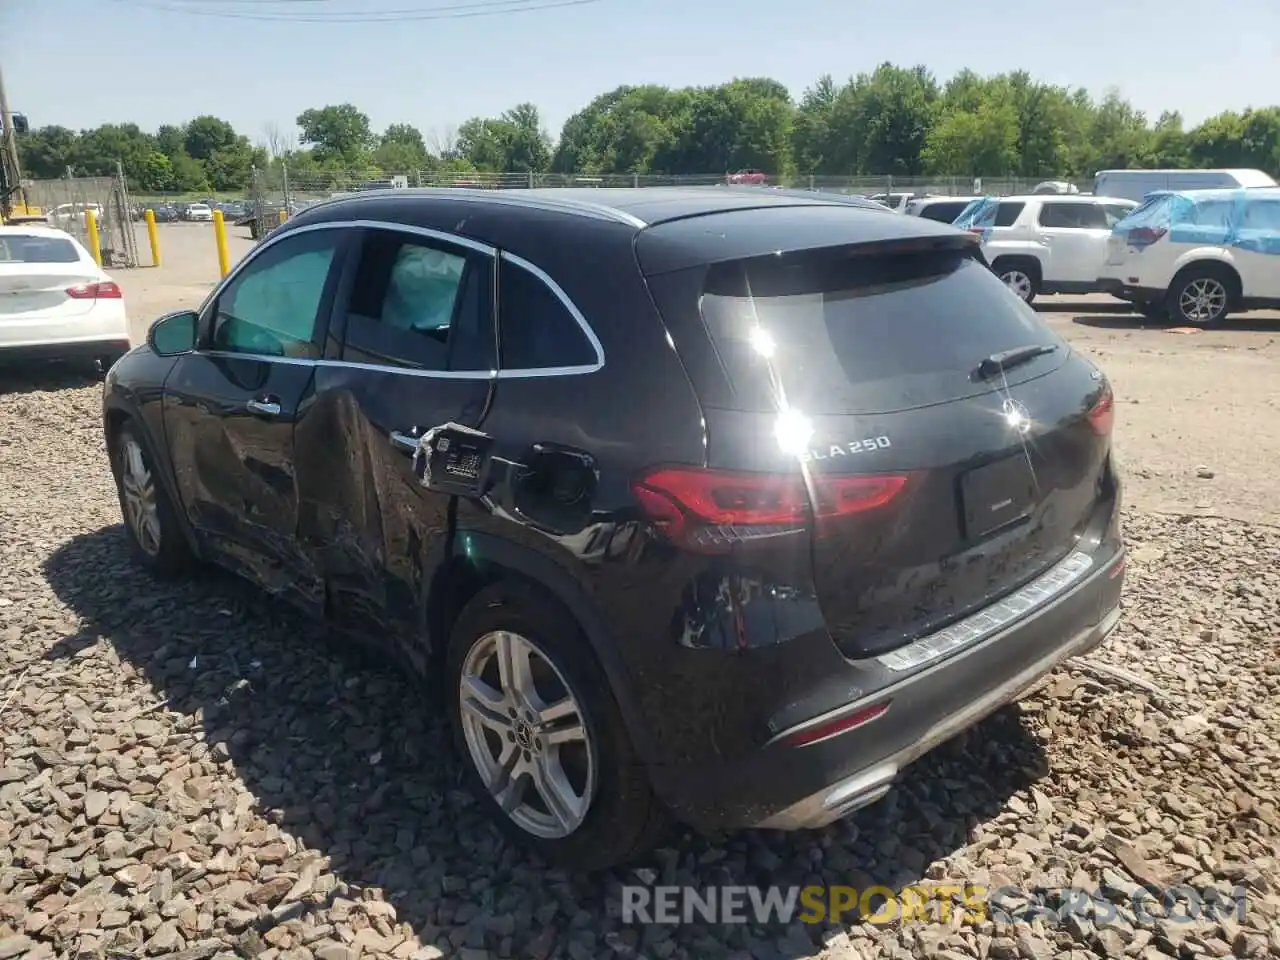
point(404, 441)
point(265, 408)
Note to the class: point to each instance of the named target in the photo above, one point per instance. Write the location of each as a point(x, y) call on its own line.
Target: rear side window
point(1211, 213)
point(862, 334)
point(1007, 214)
point(944, 212)
point(419, 304)
point(538, 328)
point(27, 248)
point(1073, 216)
point(1261, 216)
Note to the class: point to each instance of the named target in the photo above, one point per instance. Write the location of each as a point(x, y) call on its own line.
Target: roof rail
point(521, 198)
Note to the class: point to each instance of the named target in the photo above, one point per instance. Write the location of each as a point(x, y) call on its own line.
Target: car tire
point(607, 812)
point(1019, 275)
point(1202, 295)
point(155, 536)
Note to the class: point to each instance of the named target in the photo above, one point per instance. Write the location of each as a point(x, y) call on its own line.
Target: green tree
point(401, 149)
point(512, 143)
point(171, 140)
point(982, 142)
point(206, 135)
point(46, 153)
point(338, 134)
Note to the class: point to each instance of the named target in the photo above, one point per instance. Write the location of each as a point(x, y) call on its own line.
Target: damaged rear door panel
point(413, 348)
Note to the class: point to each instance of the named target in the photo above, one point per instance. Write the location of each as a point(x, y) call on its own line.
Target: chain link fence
point(276, 193)
point(64, 203)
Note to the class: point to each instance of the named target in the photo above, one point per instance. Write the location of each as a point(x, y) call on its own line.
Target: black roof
point(672, 227)
point(639, 207)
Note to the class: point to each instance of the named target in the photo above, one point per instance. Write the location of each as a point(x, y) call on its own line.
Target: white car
point(1046, 243)
point(66, 214)
point(1197, 255)
point(939, 209)
point(895, 201)
point(55, 302)
point(199, 211)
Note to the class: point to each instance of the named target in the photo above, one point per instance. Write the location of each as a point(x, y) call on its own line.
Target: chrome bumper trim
point(835, 801)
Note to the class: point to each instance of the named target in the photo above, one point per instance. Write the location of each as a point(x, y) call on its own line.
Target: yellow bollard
point(154, 236)
point(220, 235)
point(284, 214)
point(95, 239)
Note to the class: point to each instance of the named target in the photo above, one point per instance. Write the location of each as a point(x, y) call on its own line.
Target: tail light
point(712, 510)
point(1102, 414)
point(104, 290)
point(978, 230)
point(1145, 236)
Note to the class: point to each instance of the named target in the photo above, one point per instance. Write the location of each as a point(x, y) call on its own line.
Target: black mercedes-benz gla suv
point(726, 504)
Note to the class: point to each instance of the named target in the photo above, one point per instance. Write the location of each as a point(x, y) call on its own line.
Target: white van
point(1136, 184)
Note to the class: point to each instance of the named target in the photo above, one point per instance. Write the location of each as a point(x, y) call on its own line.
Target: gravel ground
point(187, 771)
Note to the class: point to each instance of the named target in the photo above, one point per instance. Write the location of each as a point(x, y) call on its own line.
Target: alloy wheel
point(139, 497)
point(526, 735)
point(1018, 282)
point(1203, 300)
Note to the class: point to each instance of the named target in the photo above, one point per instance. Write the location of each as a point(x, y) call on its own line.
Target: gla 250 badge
point(853, 447)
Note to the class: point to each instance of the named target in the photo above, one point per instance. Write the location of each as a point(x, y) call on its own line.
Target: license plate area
point(996, 495)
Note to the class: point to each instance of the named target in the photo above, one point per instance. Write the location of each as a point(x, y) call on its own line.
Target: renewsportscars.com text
point(932, 903)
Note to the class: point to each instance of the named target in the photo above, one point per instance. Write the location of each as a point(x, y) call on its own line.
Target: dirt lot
point(187, 771)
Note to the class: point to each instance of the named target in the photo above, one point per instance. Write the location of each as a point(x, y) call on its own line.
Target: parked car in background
point(1198, 256)
point(56, 303)
point(754, 177)
point(896, 201)
point(1055, 186)
point(533, 443)
point(1137, 184)
point(67, 214)
point(939, 209)
point(198, 212)
point(1046, 243)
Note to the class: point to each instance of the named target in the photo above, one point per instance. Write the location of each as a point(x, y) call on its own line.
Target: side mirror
point(175, 334)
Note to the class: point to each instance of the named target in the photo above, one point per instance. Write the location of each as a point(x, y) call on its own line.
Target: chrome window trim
point(579, 319)
point(430, 234)
point(270, 242)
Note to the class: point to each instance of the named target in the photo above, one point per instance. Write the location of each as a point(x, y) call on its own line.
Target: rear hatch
point(952, 446)
point(43, 275)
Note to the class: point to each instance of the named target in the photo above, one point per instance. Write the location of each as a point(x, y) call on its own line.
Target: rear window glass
point(26, 248)
point(863, 334)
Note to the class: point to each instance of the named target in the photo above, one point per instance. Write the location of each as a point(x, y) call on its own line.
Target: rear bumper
point(788, 787)
point(109, 350)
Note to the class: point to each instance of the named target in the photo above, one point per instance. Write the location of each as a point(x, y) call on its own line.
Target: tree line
point(898, 121)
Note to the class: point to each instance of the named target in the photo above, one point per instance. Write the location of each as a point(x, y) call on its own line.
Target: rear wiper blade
point(1007, 359)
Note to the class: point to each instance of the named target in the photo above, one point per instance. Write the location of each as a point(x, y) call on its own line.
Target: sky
point(161, 61)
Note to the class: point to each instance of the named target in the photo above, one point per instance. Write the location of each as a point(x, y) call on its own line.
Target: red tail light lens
point(1102, 415)
point(711, 510)
point(106, 290)
point(833, 728)
point(1145, 236)
point(978, 230)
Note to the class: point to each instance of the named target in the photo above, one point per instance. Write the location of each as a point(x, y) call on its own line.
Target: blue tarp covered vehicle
point(1247, 219)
